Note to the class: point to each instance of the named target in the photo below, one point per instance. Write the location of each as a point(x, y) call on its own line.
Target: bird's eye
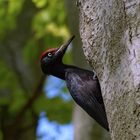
point(49, 54)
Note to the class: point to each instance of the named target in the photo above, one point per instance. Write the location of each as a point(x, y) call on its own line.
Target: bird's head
point(54, 56)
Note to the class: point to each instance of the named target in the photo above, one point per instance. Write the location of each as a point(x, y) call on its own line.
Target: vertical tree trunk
point(85, 128)
point(110, 31)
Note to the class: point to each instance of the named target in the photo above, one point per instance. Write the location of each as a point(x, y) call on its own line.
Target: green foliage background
point(27, 28)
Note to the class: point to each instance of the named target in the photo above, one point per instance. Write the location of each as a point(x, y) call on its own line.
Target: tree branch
point(31, 100)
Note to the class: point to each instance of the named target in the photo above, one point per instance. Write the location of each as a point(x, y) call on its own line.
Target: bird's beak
point(61, 51)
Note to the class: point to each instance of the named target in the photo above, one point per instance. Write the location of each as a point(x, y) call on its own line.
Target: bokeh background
point(32, 105)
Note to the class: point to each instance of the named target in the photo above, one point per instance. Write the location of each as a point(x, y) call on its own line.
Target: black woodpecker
point(83, 84)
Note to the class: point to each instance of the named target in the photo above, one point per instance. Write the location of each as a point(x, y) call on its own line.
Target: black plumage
point(83, 84)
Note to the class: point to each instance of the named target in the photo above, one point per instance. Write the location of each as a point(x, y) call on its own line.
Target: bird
point(82, 84)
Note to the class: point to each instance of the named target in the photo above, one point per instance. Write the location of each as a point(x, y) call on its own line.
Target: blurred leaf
point(1, 136)
point(65, 89)
point(58, 31)
point(48, 29)
point(18, 100)
point(11, 93)
point(6, 75)
point(9, 10)
point(30, 51)
point(41, 19)
point(59, 110)
point(67, 58)
point(40, 104)
point(56, 109)
point(4, 101)
point(50, 21)
point(40, 3)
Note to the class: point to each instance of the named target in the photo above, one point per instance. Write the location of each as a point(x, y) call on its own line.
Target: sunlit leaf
point(9, 10)
point(40, 3)
point(61, 31)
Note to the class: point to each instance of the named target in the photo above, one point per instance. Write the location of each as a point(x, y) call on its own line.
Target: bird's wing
point(85, 90)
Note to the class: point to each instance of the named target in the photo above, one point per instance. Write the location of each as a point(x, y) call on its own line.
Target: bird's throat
point(59, 71)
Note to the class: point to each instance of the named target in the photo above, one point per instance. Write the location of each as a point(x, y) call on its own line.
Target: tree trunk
point(85, 128)
point(110, 32)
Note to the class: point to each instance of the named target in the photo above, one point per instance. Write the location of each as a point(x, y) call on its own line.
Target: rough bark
point(110, 32)
point(85, 128)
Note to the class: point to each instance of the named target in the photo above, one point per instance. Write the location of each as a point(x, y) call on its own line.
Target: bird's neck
point(60, 70)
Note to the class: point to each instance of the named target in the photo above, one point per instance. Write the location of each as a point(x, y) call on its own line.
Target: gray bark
point(85, 128)
point(110, 32)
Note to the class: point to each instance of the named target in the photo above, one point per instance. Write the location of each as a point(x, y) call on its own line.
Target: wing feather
point(85, 90)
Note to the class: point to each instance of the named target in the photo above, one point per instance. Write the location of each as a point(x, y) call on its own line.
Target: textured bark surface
point(110, 32)
point(85, 128)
